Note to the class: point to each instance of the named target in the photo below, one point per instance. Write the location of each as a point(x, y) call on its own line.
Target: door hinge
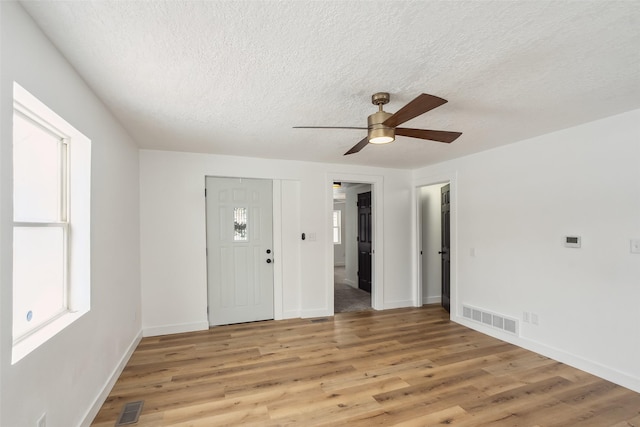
point(205, 192)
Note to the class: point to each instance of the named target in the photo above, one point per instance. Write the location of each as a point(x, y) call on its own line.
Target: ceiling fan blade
point(359, 146)
point(433, 135)
point(328, 127)
point(420, 105)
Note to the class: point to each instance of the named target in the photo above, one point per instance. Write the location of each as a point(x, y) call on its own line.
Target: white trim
point(76, 211)
point(111, 381)
point(34, 339)
point(277, 250)
point(432, 300)
point(440, 178)
point(318, 312)
point(610, 374)
point(377, 214)
point(350, 283)
point(398, 304)
point(175, 329)
point(291, 314)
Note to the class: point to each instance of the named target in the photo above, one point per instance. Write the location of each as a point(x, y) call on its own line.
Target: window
point(51, 184)
point(240, 224)
point(337, 227)
point(40, 227)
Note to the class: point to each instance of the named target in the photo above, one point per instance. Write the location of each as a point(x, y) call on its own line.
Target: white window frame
point(74, 218)
point(337, 228)
point(63, 210)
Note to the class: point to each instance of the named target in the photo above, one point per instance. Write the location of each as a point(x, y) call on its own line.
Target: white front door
point(240, 250)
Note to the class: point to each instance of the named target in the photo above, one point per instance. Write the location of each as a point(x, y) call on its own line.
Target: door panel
point(364, 241)
point(445, 251)
point(239, 234)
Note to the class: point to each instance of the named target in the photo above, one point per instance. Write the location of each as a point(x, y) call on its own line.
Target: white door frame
point(442, 178)
point(377, 257)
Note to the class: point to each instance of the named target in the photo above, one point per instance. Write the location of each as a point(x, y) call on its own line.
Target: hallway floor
point(346, 298)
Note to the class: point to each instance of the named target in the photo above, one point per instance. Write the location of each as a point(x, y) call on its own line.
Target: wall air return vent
point(488, 318)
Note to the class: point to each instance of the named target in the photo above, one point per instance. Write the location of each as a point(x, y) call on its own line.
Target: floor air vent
point(496, 321)
point(130, 413)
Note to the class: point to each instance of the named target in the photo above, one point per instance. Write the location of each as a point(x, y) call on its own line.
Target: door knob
point(269, 261)
point(268, 251)
point(443, 252)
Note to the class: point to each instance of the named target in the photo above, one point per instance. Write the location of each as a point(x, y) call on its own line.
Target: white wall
point(172, 217)
point(513, 207)
point(430, 218)
point(67, 375)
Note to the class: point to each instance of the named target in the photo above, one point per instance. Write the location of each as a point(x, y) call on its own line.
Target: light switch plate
point(635, 246)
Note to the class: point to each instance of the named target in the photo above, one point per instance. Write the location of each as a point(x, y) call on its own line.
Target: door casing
point(377, 221)
point(441, 178)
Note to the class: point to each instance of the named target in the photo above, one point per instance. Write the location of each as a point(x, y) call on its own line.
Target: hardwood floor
point(405, 367)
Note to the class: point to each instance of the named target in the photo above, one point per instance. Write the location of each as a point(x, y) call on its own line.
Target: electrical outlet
point(42, 421)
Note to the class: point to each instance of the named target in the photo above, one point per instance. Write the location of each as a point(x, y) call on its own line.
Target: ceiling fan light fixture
point(379, 133)
point(381, 136)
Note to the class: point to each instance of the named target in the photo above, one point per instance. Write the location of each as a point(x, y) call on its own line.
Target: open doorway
point(352, 249)
point(434, 238)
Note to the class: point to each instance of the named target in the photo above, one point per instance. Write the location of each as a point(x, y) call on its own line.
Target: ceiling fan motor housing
point(379, 133)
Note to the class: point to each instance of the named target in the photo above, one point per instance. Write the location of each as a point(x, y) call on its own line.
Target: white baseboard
point(291, 314)
point(398, 304)
point(351, 283)
point(111, 381)
point(432, 300)
point(319, 312)
point(175, 329)
point(339, 264)
point(599, 370)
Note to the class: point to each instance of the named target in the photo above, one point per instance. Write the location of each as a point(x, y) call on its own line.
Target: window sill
point(35, 340)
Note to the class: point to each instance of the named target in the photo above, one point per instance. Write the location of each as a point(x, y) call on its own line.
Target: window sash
point(337, 227)
point(64, 308)
point(62, 157)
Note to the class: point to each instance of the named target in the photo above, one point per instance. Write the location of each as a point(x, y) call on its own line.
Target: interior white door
point(240, 250)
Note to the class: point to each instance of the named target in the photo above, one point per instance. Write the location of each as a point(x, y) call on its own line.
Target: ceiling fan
point(382, 128)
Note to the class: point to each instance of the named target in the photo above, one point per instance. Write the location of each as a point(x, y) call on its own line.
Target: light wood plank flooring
point(405, 367)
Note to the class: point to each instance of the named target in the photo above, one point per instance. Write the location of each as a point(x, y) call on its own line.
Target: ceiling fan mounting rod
point(380, 99)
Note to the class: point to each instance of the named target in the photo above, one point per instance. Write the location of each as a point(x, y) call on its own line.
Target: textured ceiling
point(233, 77)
